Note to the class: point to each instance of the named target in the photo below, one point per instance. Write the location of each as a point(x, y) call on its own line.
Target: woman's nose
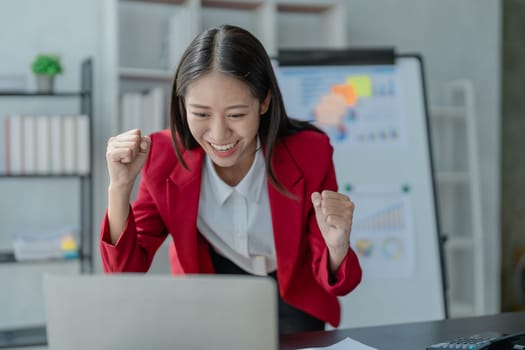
point(219, 128)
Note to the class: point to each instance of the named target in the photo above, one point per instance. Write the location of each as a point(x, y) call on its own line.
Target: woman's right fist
point(125, 156)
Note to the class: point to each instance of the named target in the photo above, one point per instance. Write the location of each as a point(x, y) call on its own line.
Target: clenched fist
point(125, 156)
point(334, 213)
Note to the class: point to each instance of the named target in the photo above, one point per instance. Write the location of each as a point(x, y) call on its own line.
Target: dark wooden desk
point(410, 336)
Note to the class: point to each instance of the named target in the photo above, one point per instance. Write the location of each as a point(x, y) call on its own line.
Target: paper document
point(345, 344)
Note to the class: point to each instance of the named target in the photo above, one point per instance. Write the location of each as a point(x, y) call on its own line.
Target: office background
point(477, 40)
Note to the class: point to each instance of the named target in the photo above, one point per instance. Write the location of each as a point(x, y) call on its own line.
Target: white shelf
point(169, 2)
point(461, 309)
point(276, 23)
point(301, 6)
point(452, 177)
point(459, 243)
point(145, 74)
point(456, 146)
point(233, 5)
point(448, 112)
point(296, 6)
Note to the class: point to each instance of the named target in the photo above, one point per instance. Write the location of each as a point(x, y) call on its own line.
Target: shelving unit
point(20, 270)
point(455, 147)
point(86, 200)
point(277, 23)
point(145, 74)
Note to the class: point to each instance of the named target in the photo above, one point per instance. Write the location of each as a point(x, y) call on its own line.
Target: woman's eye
point(236, 115)
point(200, 115)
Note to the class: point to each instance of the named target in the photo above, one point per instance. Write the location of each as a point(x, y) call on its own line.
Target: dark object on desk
point(7, 257)
point(34, 336)
point(410, 336)
point(520, 345)
point(482, 341)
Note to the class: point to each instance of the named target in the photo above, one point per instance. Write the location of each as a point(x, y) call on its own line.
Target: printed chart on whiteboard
point(355, 106)
point(383, 233)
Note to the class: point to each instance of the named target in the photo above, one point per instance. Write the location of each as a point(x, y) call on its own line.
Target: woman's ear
point(265, 104)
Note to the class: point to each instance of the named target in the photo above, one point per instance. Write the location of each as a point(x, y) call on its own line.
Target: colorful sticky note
point(347, 91)
point(361, 84)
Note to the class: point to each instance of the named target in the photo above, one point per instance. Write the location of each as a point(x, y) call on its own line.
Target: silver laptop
point(140, 311)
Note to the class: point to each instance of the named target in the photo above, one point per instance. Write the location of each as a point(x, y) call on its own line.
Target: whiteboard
point(375, 115)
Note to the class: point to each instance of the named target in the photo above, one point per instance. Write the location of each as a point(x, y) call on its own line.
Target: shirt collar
point(219, 188)
point(250, 186)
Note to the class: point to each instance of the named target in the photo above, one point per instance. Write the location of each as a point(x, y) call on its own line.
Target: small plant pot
point(44, 83)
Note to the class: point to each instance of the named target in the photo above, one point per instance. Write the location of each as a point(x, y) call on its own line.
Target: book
point(158, 104)
point(131, 111)
point(43, 145)
point(56, 145)
point(69, 147)
point(29, 145)
point(83, 144)
point(16, 144)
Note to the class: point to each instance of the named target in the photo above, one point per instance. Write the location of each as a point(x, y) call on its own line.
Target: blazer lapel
point(287, 213)
point(183, 193)
point(182, 196)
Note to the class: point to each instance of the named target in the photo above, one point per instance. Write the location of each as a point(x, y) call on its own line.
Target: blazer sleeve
point(348, 275)
point(144, 233)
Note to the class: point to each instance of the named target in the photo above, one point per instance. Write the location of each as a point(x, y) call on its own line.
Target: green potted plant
point(46, 67)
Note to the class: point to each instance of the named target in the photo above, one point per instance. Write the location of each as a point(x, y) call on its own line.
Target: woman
point(240, 187)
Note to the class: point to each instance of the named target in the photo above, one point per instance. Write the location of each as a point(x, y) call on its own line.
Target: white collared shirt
point(237, 220)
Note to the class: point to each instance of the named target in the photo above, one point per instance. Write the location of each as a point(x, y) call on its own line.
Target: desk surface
point(410, 336)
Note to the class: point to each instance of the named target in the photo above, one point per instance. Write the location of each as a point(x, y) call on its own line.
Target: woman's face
point(224, 117)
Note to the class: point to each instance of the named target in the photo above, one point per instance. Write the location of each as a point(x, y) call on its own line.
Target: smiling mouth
point(223, 148)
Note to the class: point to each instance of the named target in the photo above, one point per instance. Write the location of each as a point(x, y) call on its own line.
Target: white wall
point(458, 39)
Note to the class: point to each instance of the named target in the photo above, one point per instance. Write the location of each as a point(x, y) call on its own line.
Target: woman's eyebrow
point(237, 106)
point(196, 105)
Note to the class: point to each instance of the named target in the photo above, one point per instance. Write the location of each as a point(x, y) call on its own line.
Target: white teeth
point(223, 148)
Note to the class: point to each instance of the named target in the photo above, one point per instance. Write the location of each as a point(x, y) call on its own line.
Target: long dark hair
point(236, 52)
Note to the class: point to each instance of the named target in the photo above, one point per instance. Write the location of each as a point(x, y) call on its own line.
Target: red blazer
point(167, 204)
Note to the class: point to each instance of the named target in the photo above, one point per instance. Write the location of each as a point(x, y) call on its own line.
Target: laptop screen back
point(137, 311)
